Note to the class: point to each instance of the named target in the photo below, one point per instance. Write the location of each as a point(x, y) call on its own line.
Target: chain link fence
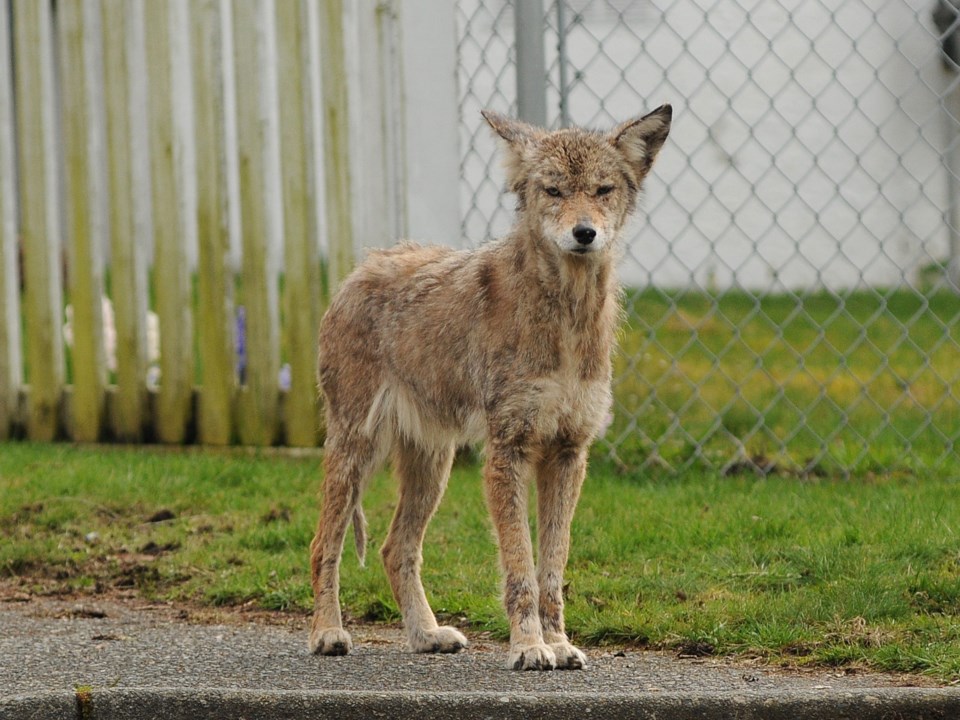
point(791, 278)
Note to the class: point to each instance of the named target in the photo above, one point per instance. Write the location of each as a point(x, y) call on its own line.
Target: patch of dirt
point(86, 612)
point(95, 603)
point(277, 514)
point(695, 649)
point(162, 516)
point(763, 466)
point(153, 549)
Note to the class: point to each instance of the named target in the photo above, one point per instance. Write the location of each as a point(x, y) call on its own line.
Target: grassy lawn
point(863, 570)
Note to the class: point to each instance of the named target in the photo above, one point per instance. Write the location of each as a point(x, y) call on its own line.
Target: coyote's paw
point(568, 657)
point(444, 639)
point(535, 656)
point(330, 641)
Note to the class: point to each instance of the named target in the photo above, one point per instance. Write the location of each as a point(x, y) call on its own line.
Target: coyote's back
point(425, 348)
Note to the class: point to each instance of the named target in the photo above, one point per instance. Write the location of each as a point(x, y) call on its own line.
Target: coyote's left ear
point(640, 140)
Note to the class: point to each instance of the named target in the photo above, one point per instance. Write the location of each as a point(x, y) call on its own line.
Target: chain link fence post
point(946, 18)
point(531, 64)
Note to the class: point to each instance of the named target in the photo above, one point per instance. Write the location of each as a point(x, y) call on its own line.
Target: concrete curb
point(215, 704)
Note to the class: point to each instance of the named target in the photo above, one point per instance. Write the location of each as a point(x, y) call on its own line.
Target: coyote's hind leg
point(423, 476)
point(348, 462)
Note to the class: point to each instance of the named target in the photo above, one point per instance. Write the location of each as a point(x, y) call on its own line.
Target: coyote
point(427, 348)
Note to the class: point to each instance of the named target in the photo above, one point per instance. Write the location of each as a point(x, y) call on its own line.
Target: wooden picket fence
point(213, 132)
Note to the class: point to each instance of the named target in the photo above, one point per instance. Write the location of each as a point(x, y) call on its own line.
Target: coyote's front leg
point(504, 477)
point(560, 476)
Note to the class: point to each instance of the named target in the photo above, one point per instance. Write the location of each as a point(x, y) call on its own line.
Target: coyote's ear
point(518, 138)
point(640, 140)
point(510, 130)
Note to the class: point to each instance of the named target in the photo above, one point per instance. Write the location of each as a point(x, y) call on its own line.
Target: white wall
point(807, 142)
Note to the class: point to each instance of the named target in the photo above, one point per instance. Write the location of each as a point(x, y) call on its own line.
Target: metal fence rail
point(792, 276)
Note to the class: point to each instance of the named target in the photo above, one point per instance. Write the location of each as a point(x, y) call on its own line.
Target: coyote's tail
point(360, 532)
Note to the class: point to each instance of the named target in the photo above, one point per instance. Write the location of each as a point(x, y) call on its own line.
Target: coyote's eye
point(552, 191)
point(604, 190)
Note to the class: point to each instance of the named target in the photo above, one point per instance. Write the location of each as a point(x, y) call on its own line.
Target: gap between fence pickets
point(65, 417)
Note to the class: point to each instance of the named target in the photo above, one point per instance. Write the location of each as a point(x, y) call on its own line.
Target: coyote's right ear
point(518, 137)
point(510, 130)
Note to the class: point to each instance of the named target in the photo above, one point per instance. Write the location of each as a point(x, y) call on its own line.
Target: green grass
point(865, 381)
point(864, 570)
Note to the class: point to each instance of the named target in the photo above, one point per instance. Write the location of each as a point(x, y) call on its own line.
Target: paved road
point(134, 660)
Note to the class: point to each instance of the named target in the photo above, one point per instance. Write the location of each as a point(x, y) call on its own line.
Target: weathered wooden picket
point(182, 182)
point(139, 120)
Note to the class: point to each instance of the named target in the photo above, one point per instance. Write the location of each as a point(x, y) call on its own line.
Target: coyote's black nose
point(584, 234)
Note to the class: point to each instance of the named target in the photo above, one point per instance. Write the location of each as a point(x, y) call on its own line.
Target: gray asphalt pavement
point(110, 660)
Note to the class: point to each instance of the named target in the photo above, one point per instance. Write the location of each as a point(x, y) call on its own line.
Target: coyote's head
point(576, 188)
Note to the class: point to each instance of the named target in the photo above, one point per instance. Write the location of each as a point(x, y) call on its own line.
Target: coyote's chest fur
point(468, 347)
